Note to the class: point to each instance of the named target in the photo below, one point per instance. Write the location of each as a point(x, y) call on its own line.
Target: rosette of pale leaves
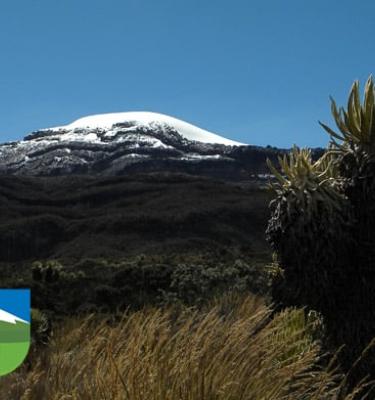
point(309, 221)
point(356, 124)
point(307, 182)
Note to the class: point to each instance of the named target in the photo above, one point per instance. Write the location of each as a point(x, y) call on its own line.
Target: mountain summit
point(150, 119)
point(122, 143)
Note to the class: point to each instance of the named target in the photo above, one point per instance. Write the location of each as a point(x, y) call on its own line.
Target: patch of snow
point(135, 155)
point(106, 121)
point(79, 136)
point(110, 133)
point(114, 132)
point(194, 156)
point(142, 140)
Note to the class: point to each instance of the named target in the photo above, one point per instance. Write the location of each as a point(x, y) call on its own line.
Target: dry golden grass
point(232, 350)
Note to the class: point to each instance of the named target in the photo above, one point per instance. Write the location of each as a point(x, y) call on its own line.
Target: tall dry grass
point(232, 350)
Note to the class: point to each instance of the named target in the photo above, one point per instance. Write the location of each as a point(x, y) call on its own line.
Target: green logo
point(14, 328)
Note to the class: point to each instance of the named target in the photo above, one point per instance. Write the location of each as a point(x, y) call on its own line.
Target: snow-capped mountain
point(119, 143)
point(10, 318)
point(146, 119)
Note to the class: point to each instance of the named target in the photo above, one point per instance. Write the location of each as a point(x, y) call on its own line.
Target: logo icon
point(14, 328)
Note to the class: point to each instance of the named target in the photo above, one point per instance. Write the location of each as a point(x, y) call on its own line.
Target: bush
point(322, 229)
point(40, 327)
point(108, 286)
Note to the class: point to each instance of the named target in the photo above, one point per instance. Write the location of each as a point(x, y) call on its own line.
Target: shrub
point(40, 327)
point(108, 286)
point(322, 229)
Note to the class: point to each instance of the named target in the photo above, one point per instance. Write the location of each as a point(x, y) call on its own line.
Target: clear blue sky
point(257, 71)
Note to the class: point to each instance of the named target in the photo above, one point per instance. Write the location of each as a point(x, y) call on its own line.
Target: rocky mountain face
point(132, 142)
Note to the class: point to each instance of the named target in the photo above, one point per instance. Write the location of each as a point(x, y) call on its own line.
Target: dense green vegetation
point(102, 286)
point(77, 217)
point(323, 232)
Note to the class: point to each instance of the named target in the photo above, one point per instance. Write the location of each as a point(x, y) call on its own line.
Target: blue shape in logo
point(16, 302)
point(14, 328)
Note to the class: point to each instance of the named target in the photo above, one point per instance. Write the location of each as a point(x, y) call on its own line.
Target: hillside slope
point(112, 217)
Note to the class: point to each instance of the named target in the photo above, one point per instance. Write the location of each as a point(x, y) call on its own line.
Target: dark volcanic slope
point(81, 216)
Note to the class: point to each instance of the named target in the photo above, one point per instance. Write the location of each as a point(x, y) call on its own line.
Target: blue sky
point(257, 71)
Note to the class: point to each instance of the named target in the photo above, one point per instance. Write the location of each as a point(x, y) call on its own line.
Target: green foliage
point(99, 285)
point(195, 283)
point(51, 281)
point(322, 229)
point(308, 183)
point(40, 327)
point(357, 123)
point(307, 213)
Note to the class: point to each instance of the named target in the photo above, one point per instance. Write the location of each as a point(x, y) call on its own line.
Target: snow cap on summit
point(188, 131)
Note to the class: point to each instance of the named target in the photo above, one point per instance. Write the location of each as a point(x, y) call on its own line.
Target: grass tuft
point(233, 349)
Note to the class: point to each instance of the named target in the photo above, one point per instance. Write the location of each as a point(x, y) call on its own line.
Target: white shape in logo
point(8, 317)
